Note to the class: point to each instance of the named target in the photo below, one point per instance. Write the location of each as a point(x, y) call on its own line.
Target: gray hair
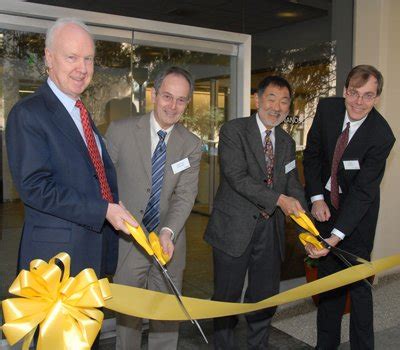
point(61, 22)
point(175, 71)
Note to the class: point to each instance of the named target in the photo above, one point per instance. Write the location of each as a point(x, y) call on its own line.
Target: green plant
point(312, 263)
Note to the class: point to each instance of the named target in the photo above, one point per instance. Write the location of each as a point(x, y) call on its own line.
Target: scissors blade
point(178, 296)
point(348, 264)
point(344, 252)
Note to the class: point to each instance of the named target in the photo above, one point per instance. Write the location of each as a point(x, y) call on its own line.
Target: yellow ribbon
point(63, 306)
point(154, 305)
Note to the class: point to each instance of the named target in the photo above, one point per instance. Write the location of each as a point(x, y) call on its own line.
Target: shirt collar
point(355, 123)
point(155, 127)
point(262, 127)
point(68, 102)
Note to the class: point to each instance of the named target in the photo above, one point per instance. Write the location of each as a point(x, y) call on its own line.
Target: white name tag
point(351, 165)
point(290, 166)
point(180, 166)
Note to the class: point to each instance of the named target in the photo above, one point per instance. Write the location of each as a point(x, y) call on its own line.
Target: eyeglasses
point(168, 98)
point(354, 95)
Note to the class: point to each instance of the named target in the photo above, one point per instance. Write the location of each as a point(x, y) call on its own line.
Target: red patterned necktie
point(94, 152)
point(269, 158)
point(341, 145)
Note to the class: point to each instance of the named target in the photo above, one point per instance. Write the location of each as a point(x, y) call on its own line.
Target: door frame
point(18, 15)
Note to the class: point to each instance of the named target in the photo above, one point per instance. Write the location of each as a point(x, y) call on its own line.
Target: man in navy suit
point(342, 181)
point(60, 165)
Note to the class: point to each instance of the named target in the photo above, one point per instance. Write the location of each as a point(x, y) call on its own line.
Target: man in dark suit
point(60, 165)
point(344, 163)
point(259, 186)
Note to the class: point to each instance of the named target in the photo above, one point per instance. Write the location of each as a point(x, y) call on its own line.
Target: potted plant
point(311, 269)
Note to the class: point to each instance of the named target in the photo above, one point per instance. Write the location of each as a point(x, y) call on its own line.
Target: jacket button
point(95, 176)
point(148, 190)
point(255, 217)
point(141, 212)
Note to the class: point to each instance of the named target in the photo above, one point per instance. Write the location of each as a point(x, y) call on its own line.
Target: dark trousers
point(262, 260)
point(331, 307)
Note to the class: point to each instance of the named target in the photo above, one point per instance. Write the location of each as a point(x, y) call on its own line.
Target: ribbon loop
point(63, 307)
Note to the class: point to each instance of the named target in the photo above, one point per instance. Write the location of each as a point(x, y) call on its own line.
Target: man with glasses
point(344, 163)
point(157, 162)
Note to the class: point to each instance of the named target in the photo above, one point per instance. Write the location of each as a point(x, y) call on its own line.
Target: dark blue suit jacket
point(51, 168)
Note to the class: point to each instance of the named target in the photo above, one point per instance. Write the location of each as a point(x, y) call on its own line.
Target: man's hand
point(117, 214)
point(166, 242)
point(320, 211)
point(315, 253)
point(289, 205)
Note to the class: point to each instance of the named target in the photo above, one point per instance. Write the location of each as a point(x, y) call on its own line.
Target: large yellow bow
point(55, 301)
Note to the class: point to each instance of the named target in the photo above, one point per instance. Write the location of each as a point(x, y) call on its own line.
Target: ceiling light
point(287, 14)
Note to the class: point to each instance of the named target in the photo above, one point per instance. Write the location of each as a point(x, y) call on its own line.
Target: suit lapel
point(256, 145)
point(63, 121)
point(279, 152)
point(362, 132)
point(141, 130)
point(336, 126)
point(174, 146)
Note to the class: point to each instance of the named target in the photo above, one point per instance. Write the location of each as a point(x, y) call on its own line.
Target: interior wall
point(376, 29)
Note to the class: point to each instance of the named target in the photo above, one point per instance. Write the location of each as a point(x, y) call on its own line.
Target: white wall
point(376, 28)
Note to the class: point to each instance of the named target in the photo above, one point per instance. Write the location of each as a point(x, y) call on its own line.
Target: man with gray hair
point(157, 162)
point(60, 165)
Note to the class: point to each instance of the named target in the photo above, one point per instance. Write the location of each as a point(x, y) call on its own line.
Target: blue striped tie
point(151, 217)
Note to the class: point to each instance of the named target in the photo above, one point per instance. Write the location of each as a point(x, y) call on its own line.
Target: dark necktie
point(94, 152)
point(269, 158)
point(151, 217)
point(341, 145)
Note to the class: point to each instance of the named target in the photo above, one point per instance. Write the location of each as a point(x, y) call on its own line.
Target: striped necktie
point(151, 217)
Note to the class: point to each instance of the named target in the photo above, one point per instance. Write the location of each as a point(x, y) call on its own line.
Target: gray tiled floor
point(189, 338)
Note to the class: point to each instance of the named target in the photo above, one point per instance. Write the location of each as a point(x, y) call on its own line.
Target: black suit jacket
point(242, 192)
point(53, 173)
point(370, 146)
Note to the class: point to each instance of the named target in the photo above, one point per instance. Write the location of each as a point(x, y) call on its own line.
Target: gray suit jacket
point(129, 145)
point(243, 193)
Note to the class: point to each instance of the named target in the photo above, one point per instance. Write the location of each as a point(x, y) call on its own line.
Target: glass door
point(210, 106)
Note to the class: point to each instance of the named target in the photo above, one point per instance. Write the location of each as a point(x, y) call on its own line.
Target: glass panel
point(21, 72)
point(311, 72)
point(207, 110)
point(109, 95)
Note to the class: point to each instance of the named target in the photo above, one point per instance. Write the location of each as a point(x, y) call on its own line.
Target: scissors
point(313, 237)
point(152, 246)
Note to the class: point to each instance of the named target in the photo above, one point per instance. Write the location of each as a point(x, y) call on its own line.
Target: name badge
point(180, 166)
point(351, 165)
point(290, 166)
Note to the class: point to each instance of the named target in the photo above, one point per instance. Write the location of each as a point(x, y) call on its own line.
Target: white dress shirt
point(354, 125)
point(263, 131)
point(154, 129)
point(73, 111)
